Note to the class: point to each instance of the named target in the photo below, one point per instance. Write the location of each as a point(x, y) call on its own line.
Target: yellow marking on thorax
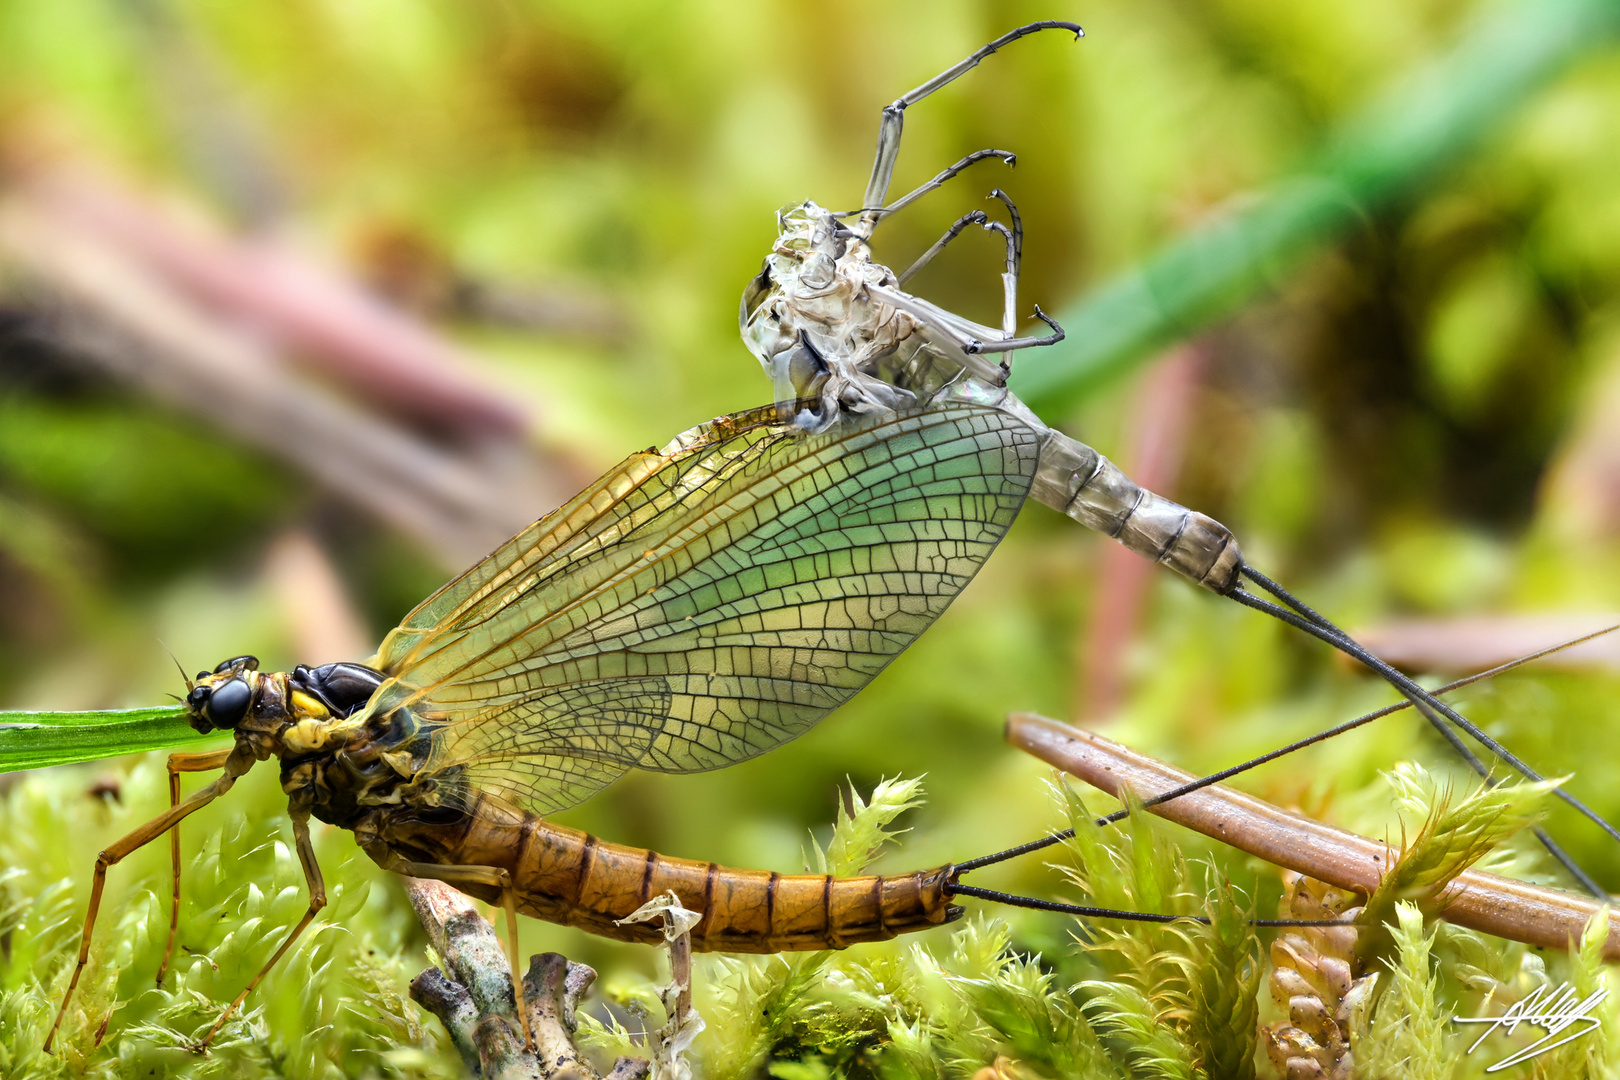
point(307, 736)
point(304, 705)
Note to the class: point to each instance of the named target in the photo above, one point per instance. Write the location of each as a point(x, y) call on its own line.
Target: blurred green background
point(1415, 419)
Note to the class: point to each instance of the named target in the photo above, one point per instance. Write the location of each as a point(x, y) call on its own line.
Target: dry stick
point(475, 1002)
point(1532, 914)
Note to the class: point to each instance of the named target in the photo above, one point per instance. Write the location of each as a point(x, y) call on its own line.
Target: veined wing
point(700, 605)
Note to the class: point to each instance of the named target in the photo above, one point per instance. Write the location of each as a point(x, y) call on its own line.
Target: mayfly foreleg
point(972, 217)
point(457, 875)
point(1014, 344)
point(1015, 261)
point(871, 214)
point(889, 130)
point(317, 900)
point(1009, 280)
point(182, 763)
point(1015, 257)
point(235, 765)
point(1009, 316)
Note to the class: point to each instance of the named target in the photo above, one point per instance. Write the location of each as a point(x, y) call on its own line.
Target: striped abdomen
point(566, 876)
point(1073, 478)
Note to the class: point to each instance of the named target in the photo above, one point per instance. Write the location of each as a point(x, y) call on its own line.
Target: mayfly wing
point(703, 604)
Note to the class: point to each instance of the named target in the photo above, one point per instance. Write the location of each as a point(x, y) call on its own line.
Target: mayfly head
point(222, 698)
point(219, 700)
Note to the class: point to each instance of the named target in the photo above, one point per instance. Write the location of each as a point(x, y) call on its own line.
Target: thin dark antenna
point(1013, 900)
point(190, 686)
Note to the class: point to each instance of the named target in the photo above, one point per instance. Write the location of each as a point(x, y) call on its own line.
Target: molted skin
point(837, 335)
point(831, 329)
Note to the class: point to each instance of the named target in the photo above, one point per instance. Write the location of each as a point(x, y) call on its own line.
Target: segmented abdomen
point(569, 877)
point(1073, 478)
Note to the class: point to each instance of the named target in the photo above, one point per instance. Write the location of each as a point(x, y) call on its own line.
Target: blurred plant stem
point(1380, 153)
point(1125, 579)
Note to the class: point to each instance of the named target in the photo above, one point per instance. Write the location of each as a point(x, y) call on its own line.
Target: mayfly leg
point(182, 763)
point(888, 146)
point(1009, 279)
point(967, 336)
point(1015, 261)
point(235, 766)
point(873, 213)
point(972, 217)
point(317, 900)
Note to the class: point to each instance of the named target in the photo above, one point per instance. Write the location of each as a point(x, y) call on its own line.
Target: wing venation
point(704, 604)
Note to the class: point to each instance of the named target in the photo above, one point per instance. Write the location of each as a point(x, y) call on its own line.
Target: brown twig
point(249, 336)
point(474, 1000)
point(1495, 905)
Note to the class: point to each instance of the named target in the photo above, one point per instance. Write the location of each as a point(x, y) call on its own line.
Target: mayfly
point(696, 606)
point(838, 335)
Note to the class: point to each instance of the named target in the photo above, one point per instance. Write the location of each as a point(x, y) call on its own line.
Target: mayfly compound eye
point(245, 662)
point(229, 703)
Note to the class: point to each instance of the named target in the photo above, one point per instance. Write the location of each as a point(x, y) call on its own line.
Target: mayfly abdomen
point(569, 877)
point(1073, 478)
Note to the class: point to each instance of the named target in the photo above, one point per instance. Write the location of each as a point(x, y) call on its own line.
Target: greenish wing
point(699, 606)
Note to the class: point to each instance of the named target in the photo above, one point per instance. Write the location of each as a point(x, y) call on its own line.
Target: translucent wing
point(703, 604)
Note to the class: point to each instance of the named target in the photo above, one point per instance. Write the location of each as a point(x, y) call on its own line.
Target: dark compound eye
point(246, 662)
point(198, 698)
point(229, 703)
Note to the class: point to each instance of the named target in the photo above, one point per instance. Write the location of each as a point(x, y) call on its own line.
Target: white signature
point(1554, 1009)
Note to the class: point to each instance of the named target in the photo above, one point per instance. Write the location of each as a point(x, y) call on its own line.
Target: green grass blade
point(1376, 155)
point(33, 740)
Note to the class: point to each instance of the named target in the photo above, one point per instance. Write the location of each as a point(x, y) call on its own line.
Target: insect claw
point(1049, 321)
